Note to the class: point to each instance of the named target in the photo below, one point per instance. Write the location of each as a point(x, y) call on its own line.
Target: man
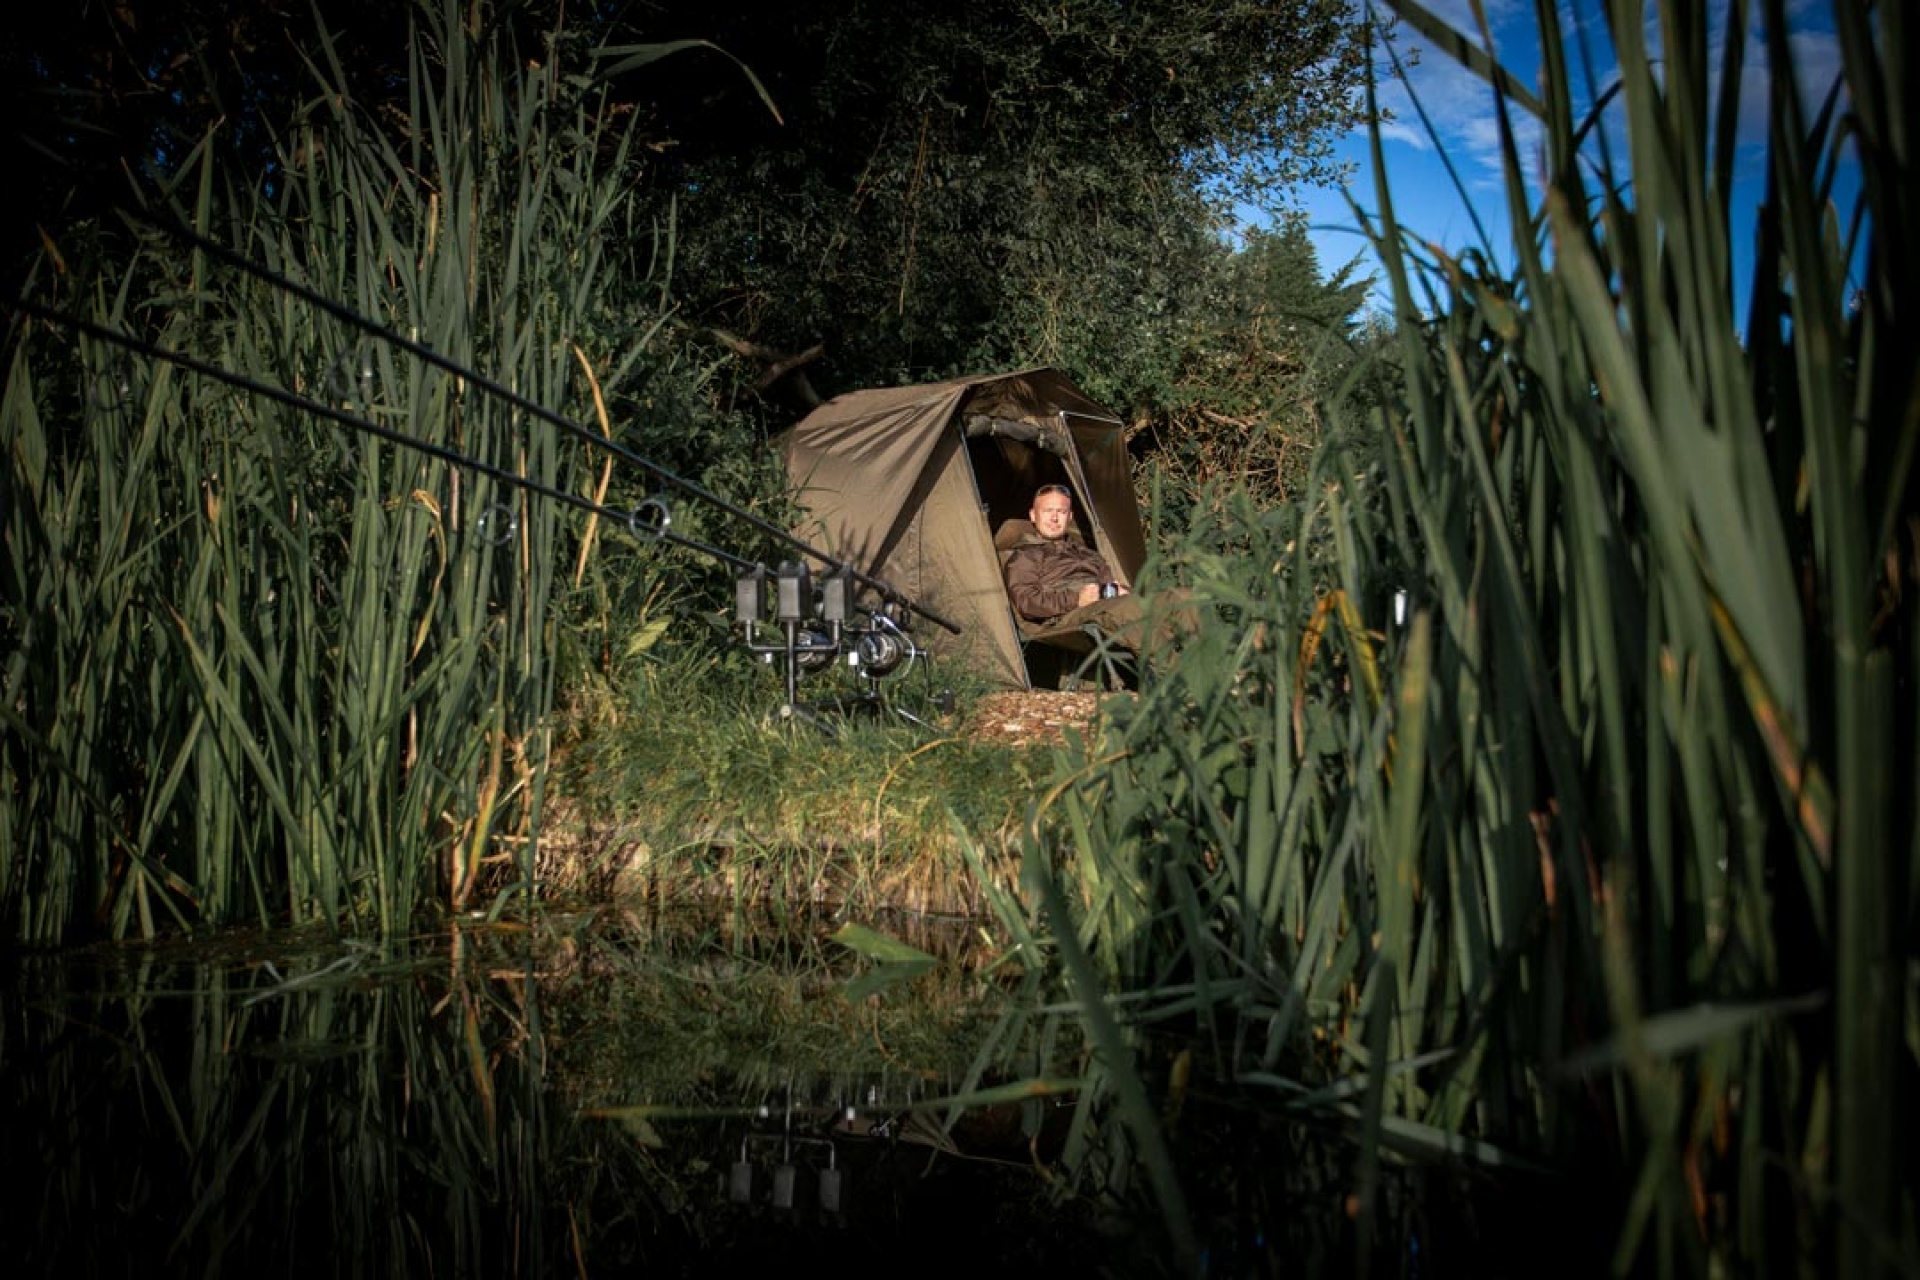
point(1055, 579)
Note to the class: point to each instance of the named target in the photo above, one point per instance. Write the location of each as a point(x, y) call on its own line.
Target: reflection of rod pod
point(783, 1187)
point(830, 1184)
point(786, 1175)
point(829, 1188)
point(740, 1179)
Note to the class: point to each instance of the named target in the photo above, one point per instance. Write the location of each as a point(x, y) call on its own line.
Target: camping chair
point(1056, 655)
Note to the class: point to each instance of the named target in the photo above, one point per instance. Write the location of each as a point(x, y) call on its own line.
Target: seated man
point(1054, 579)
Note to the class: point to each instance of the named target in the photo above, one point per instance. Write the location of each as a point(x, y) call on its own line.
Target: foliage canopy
point(909, 189)
point(974, 186)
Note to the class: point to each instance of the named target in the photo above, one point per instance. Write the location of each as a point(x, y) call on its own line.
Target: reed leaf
point(1621, 810)
point(328, 662)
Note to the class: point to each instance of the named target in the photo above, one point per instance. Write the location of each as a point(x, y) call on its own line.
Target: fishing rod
point(655, 530)
point(815, 628)
point(173, 227)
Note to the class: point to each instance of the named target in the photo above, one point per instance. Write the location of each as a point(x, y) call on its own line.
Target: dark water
point(596, 1096)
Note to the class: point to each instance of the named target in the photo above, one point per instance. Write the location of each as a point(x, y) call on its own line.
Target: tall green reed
point(1598, 865)
point(262, 666)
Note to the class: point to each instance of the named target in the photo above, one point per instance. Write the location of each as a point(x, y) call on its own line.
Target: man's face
point(1052, 514)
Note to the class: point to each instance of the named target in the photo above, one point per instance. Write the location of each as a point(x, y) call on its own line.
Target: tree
point(1253, 384)
point(985, 184)
point(936, 187)
point(96, 92)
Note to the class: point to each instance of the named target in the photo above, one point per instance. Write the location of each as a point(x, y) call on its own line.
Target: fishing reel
point(823, 627)
point(883, 647)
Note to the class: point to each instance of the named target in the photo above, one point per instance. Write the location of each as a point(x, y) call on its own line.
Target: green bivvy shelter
point(911, 484)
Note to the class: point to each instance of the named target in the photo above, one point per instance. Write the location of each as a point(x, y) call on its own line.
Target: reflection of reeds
point(1611, 873)
point(502, 1102)
point(260, 665)
point(329, 1128)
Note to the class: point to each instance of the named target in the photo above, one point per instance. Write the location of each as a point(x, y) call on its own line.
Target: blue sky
point(1461, 108)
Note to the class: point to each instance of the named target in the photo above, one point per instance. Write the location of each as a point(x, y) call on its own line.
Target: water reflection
point(597, 1096)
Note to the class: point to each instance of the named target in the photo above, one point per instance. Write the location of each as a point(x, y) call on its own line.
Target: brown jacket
point(1044, 576)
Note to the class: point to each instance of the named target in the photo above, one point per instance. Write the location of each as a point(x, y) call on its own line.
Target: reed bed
point(1596, 873)
point(260, 665)
point(692, 788)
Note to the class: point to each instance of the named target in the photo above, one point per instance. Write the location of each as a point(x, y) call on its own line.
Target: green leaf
point(1668, 1035)
point(878, 946)
point(887, 975)
point(633, 56)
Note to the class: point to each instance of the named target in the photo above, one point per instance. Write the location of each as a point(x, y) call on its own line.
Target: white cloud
point(1459, 107)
